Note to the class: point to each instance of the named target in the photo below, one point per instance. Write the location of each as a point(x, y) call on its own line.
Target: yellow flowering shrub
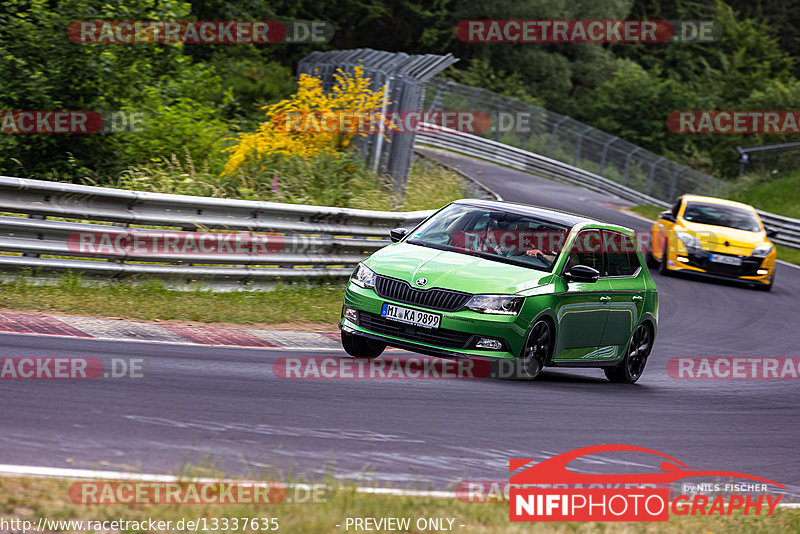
point(351, 95)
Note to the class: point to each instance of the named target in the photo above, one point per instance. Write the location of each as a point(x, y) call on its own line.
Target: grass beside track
point(31, 498)
point(151, 301)
point(769, 193)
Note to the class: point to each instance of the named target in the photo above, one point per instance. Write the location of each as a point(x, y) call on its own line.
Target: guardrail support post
point(40, 218)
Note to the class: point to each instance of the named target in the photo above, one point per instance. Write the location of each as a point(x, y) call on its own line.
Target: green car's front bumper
point(456, 335)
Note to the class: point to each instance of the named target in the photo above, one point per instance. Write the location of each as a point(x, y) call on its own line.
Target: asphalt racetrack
point(198, 404)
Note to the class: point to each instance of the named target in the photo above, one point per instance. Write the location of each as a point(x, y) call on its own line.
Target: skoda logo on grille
point(727, 243)
point(421, 281)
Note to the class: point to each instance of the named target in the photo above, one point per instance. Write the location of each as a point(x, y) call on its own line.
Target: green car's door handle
point(605, 299)
point(636, 297)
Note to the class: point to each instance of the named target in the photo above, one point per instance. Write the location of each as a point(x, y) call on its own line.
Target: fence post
point(523, 135)
point(578, 146)
point(555, 133)
point(628, 163)
point(652, 174)
point(674, 184)
point(605, 153)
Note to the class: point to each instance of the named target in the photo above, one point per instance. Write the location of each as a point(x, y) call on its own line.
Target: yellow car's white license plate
point(410, 316)
point(730, 260)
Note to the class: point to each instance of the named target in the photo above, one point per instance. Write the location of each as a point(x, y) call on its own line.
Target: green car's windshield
point(719, 215)
point(497, 235)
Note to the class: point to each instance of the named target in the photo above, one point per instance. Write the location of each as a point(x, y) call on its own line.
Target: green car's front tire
point(651, 261)
point(537, 351)
point(361, 347)
point(632, 365)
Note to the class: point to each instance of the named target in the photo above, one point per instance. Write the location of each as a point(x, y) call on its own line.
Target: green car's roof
point(559, 217)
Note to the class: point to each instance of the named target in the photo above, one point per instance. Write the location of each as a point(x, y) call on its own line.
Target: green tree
point(42, 69)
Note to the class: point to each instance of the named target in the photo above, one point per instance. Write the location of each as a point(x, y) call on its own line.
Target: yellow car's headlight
point(690, 241)
point(761, 251)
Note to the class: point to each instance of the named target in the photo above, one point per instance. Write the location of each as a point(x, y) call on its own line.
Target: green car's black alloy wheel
point(361, 347)
point(632, 366)
point(540, 342)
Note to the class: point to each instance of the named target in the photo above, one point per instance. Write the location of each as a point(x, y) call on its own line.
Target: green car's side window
point(621, 258)
point(586, 250)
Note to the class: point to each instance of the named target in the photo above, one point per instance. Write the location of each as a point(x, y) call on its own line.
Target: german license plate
point(730, 260)
point(409, 316)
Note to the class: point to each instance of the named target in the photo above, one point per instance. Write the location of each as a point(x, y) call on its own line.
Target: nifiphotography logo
point(564, 495)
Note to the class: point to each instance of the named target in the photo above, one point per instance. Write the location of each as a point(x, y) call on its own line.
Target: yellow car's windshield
point(719, 215)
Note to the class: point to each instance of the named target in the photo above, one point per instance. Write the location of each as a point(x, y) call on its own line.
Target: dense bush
point(192, 97)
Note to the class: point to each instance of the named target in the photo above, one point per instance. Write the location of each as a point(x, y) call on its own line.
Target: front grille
point(431, 336)
point(434, 299)
point(748, 267)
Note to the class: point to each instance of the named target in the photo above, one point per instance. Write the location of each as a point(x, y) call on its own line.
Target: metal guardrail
point(479, 147)
point(313, 241)
point(562, 138)
point(788, 229)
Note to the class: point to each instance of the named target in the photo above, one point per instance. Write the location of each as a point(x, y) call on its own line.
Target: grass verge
point(766, 192)
point(31, 498)
point(323, 180)
point(431, 186)
point(320, 302)
point(648, 211)
point(786, 254)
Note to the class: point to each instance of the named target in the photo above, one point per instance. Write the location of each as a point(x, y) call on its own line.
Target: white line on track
point(792, 265)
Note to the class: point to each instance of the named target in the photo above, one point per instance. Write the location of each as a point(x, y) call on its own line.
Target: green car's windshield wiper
point(429, 245)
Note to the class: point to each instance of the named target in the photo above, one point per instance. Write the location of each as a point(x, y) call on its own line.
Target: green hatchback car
point(498, 280)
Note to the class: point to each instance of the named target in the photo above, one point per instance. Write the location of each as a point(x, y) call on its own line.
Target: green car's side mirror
point(582, 273)
point(397, 234)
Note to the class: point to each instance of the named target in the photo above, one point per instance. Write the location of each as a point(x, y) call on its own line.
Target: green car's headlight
point(761, 251)
point(496, 304)
point(689, 240)
point(363, 276)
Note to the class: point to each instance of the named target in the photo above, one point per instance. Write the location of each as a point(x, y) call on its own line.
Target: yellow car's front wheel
point(662, 265)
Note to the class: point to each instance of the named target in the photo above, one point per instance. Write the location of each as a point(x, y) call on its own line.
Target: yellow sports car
point(714, 237)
